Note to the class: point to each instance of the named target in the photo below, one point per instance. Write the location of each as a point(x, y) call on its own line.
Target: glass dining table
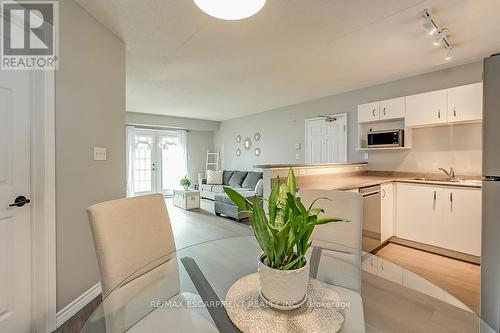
point(186, 291)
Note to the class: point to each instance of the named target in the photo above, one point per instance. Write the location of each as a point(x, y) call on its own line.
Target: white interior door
point(326, 139)
point(15, 227)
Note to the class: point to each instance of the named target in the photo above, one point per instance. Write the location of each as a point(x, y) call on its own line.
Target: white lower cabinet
point(442, 216)
point(463, 220)
point(386, 211)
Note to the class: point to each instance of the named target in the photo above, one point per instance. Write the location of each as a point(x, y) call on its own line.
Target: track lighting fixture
point(439, 34)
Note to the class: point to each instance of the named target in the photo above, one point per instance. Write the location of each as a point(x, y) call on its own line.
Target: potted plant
point(185, 182)
point(283, 235)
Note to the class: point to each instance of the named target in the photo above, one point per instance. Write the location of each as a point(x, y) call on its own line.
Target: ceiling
point(182, 62)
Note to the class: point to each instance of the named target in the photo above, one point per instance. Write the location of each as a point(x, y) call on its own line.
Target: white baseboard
point(72, 308)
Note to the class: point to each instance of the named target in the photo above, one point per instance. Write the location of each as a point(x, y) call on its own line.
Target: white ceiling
point(181, 62)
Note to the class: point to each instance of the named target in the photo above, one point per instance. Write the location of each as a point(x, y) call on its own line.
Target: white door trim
point(43, 212)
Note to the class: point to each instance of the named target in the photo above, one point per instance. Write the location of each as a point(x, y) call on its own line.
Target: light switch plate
point(366, 156)
point(297, 146)
point(100, 154)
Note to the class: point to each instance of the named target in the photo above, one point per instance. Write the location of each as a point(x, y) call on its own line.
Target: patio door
point(158, 161)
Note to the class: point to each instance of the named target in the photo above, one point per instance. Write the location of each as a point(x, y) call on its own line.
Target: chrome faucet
point(450, 174)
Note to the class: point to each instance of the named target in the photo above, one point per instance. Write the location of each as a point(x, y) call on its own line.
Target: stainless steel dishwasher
point(371, 221)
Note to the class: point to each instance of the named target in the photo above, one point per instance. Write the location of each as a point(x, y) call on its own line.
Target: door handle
point(20, 201)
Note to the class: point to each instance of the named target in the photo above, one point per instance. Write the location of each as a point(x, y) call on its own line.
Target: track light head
point(439, 35)
point(429, 28)
point(448, 53)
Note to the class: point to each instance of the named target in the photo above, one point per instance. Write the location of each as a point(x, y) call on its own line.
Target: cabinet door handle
point(382, 266)
point(434, 195)
point(384, 111)
point(439, 113)
point(454, 112)
point(383, 193)
point(373, 111)
point(451, 197)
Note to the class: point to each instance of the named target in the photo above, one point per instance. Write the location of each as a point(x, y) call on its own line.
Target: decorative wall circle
point(238, 152)
point(247, 144)
point(257, 151)
point(256, 136)
point(238, 138)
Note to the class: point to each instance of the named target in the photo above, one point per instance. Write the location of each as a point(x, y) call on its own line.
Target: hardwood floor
point(459, 278)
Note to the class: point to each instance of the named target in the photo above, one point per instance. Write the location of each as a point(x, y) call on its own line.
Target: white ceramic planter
point(186, 188)
point(284, 290)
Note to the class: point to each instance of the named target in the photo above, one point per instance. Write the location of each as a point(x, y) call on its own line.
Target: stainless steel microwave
point(386, 138)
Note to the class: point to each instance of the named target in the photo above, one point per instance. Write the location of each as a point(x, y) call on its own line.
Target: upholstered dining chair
point(133, 237)
point(129, 234)
point(346, 237)
point(340, 263)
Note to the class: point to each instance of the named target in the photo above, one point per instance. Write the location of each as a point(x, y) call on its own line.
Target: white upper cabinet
point(465, 103)
point(368, 112)
point(392, 108)
point(427, 108)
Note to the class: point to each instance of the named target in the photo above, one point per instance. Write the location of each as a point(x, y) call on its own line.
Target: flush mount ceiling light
point(439, 34)
point(230, 9)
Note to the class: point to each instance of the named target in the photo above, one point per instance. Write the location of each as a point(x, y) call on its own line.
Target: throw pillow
point(237, 178)
point(251, 180)
point(214, 177)
point(226, 177)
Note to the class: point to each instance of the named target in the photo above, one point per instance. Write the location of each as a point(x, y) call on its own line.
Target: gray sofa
point(243, 182)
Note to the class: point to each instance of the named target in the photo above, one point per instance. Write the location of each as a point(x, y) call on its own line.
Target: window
point(159, 161)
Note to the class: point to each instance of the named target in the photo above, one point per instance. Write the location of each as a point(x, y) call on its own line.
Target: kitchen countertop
point(309, 165)
point(355, 181)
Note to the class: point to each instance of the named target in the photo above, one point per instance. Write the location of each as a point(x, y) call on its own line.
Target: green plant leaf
point(331, 219)
point(273, 197)
point(316, 200)
point(291, 182)
point(239, 200)
point(293, 263)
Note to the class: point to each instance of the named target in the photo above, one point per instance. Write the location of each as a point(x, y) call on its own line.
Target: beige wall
point(282, 128)
point(90, 111)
